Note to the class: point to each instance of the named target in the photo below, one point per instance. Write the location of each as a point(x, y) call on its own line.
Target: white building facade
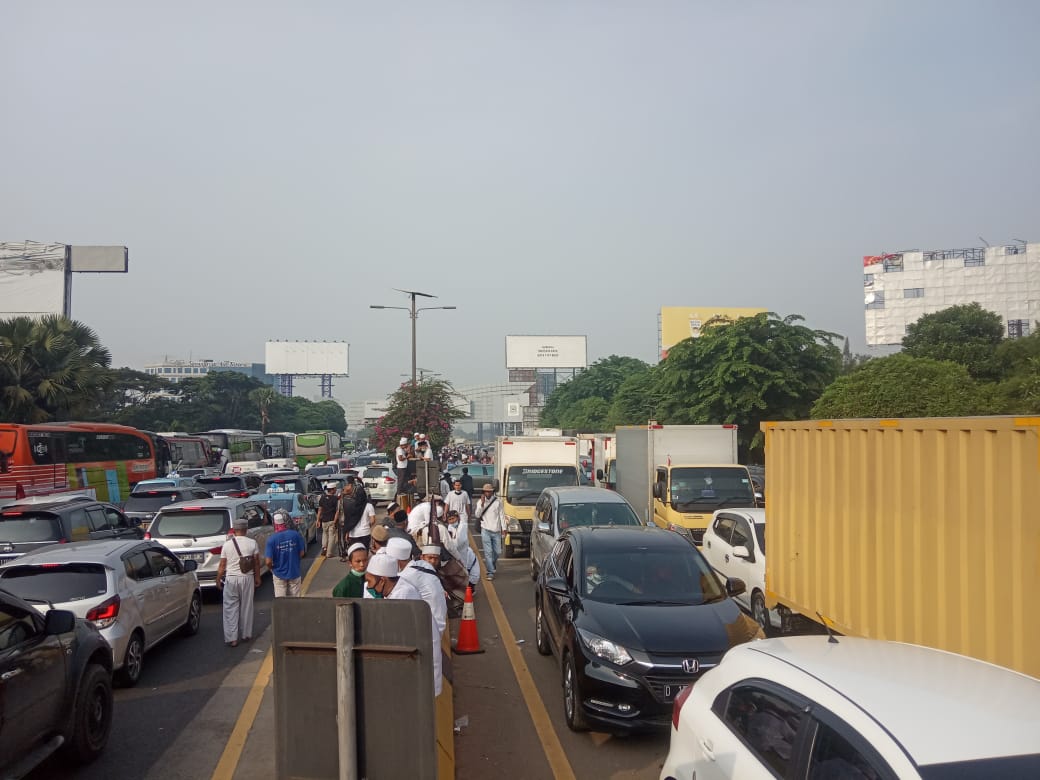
point(899, 288)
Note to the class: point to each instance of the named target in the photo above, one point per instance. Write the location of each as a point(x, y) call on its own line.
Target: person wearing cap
point(423, 451)
point(382, 580)
point(401, 464)
point(381, 534)
point(353, 585)
point(282, 553)
point(459, 500)
point(237, 586)
point(420, 515)
point(492, 520)
point(327, 506)
point(424, 578)
point(445, 484)
point(456, 542)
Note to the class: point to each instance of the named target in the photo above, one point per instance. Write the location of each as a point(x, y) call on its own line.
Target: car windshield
point(760, 534)
point(220, 483)
point(30, 528)
point(150, 500)
point(376, 473)
point(593, 513)
point(704, 488)
point(320, 471)
point(56, 583)
point(649, 575)
point(281, 486)
point(159, 484)
point(190, 523)
point(526, 483)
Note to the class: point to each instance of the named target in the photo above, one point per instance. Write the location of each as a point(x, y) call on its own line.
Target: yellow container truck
point(915, 530)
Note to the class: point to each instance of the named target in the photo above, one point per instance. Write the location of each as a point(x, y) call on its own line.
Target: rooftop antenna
point(984, 241)
point(830, 634)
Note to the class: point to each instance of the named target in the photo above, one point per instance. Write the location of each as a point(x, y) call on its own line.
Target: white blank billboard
point(546, 352)
point(33, 279)
point(306, 358)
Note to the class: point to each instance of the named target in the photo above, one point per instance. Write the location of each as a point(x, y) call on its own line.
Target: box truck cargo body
point(524, 466)
point(676, 476)
point(915, 530)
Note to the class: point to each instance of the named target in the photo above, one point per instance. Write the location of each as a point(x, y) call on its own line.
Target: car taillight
point(147, 534)
point(389, 480)
point(105, 613)
point(242, 494)
point(680, 700)
point(215, 550)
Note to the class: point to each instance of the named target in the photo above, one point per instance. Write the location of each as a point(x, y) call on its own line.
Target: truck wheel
point(760, 613)
point(133, 661)
point(91, 716)
point(541, 638)
point(572, 707)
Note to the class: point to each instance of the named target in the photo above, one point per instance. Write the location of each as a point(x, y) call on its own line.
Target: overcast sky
point(549, 167)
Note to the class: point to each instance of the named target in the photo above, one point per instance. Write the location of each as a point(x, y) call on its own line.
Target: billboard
point(34, 279)
point(546, 352)
point(306, 358)
point(684, 322)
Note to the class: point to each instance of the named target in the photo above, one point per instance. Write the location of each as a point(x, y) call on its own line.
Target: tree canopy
point(903, 386)
point(570, 405)
point(968, 335)
point(426, 407)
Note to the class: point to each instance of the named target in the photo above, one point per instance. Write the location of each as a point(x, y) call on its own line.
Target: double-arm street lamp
point(414, 314)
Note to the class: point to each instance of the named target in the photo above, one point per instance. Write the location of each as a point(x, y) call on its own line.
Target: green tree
point(220, 399)
point(588, 415)
point(748, 371)
point(639, 399)
point(427, 407)
point(903, 386)
point(600, 380)
point(127, 388)
point(51, 368)
point(967, 334)
point(264, 398)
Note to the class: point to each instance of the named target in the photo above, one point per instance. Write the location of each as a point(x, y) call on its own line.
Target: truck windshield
point(525, 483)
point(707, 488)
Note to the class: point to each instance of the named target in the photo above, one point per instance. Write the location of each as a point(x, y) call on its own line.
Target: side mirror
point(543, 527)
point(190, 565)
point(59, 621)
point(735, 586)
point(659, 491)
point(740, 551)
point(599, 474)
point(555, 585)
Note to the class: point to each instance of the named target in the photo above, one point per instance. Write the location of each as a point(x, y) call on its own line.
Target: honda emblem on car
point(691, 665)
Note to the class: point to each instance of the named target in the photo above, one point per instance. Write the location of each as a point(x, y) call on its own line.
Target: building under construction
point(898, 288)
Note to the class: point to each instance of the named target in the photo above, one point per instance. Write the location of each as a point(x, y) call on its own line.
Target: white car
point(813, 707)
point(380, 483)
point(735, 545)
point(136, 592)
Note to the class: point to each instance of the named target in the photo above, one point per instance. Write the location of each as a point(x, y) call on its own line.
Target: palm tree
point(49, 368)
point(264, 398)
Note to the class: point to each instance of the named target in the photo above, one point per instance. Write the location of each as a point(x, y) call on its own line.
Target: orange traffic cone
point(468, 642)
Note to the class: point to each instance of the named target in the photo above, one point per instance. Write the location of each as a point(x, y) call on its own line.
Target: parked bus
point(240, 445)
point(189, 452)
point(316, 446)
point(280, 450)
point(37, 460)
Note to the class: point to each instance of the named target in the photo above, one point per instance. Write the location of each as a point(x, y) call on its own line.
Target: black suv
point(55, 686)
point(26, 527)
point(634, 615)
point(230, 485)
point(141, 507)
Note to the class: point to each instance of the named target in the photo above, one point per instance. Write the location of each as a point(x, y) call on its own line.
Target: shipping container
point(914, 530)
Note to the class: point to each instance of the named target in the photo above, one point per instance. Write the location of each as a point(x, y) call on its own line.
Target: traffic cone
point(468, 642)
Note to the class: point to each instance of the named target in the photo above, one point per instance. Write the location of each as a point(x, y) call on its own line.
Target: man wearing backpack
point(348, 515)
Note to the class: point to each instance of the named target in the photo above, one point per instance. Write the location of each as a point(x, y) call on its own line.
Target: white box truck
point(524, 466)
point(676, 476)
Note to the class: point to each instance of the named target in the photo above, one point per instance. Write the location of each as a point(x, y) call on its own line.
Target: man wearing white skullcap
point(423, 577)
point(382, 580)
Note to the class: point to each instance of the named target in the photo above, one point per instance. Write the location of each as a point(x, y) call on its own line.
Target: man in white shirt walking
point(459, 500)
point(238, 575)
point(492, 521)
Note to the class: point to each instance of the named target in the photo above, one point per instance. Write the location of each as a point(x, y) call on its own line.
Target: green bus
point(316, 446)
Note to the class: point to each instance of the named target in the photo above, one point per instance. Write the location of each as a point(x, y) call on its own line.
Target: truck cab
point(686, 496)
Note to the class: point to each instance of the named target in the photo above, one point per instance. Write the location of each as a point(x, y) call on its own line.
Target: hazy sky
point(546, 166)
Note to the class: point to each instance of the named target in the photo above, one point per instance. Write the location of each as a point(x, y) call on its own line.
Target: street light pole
point(413, 312)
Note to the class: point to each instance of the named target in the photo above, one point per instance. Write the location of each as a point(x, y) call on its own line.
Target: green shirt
point(350, 587)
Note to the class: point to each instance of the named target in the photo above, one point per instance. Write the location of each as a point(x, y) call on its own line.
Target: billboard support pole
point(415, 316)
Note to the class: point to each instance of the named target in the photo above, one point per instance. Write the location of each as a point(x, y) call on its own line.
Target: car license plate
point(671, 691)
point(198, 557)
point(371, 484)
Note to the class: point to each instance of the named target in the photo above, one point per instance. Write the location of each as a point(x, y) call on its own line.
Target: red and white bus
point(37, 460)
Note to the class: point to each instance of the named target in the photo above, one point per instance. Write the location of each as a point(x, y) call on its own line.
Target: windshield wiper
point(521, 496)
point(647, 602)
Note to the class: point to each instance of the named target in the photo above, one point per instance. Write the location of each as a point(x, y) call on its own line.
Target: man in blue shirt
point(285, 547)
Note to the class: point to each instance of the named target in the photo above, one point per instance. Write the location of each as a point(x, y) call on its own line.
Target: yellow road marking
point(554, 753)
point(236, 743)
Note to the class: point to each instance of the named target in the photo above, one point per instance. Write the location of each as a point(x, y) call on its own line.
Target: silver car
point(380, 483)
point(136, 592)
point(196, 531)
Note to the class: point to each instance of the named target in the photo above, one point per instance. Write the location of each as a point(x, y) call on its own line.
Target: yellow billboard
point(683, 322)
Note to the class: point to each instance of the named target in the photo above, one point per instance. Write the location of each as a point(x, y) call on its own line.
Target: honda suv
point(196, 531)
point(26, 527)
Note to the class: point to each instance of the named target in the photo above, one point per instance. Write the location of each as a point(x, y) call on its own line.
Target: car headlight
point(604, 648)
point(513, 525)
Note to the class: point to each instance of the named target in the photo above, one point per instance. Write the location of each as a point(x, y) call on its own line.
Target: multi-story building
point(899, 288)
point(176, 370)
